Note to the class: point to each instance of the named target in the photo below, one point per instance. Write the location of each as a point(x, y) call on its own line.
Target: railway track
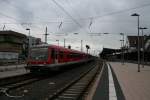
point(9, 83)
point(76, 89)
point(53, 86)
point(14, 79)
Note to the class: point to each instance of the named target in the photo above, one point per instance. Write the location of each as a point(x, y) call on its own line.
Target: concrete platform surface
point(135, 85)
point(11, 67)
point(12, 70)
point(13, 73)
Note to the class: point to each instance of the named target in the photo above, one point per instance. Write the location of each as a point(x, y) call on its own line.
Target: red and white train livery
point(43, 57)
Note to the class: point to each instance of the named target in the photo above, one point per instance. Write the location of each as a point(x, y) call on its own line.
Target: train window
point(75, 55)
point(39, 53)
point(53, 54)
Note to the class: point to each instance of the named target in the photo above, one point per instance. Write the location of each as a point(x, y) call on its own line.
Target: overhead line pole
point(46, 34)
point(81, 45)
point(64, 42)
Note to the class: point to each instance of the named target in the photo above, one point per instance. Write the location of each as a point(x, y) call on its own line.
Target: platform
point(12, 70)
point(122, 82)
point(135, 85)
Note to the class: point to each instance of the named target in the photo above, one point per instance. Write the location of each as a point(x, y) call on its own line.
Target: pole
point(142, 28)
point(58, 42)
point(123, 48)
point(137, 15)
point(121, 58)
point(64, 43)
point(143, 49)
point(138, 47)
point(29, 44)
point(3, 27)
point(46, 34)
point(81, 45)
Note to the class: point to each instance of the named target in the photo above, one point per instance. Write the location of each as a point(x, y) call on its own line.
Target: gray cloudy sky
point(111, 16)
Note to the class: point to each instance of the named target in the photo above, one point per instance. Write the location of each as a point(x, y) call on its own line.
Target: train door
point(54, 56)
point(61, 56)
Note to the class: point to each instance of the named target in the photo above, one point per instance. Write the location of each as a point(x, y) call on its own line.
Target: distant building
point(12, 45)
point(147, 44)
point(109, 53)
point(133, 42)
point(35, 41)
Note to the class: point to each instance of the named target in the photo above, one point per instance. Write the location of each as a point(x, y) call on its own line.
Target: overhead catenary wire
point(86, 18)
point(69, 22)
point(62, 8)
point(15, 19)
point(115, 12)
point(18, 7)
point(91, 21)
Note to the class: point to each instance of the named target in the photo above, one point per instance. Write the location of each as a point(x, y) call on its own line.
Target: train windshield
point(39, 53)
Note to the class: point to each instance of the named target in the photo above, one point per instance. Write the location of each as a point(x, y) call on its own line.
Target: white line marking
point(112, 90)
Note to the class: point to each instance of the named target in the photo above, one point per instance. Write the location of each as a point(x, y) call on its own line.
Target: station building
point(12, 45)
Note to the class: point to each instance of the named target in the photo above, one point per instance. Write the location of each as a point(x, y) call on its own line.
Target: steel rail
point(15, 82)
point(76, 88)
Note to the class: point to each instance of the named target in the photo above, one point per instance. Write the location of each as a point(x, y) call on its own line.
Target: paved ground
point(102, 90)
point(12, 70)
point(135, 85)
point(106, 87)
point(11, 67)
point(13, 73)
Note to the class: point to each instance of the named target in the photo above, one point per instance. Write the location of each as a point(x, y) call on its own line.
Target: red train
point(43, 57)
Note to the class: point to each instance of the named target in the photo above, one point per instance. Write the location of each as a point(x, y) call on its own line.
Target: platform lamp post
point(29, 44)
point(57, 42)
point(137, 15)
point(64, 42)
point(142, 28)
point(81, 45)
point(122, 47)
point(81, 42)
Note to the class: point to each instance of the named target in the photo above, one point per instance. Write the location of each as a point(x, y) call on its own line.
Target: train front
point(38, 59)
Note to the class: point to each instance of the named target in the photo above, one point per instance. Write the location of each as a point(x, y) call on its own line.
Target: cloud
point(112, 16)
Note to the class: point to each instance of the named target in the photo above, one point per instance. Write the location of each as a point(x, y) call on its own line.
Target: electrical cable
point(68, 14)
point(87, 18)
point(93, 17)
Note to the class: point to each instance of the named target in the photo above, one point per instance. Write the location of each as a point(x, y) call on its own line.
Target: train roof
point(58, 47)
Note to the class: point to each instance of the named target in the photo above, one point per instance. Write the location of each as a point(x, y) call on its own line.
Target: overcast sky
point(65, 17)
